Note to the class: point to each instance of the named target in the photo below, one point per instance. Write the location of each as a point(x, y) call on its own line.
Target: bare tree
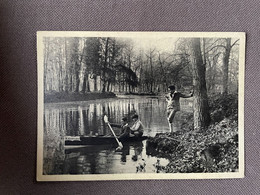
point(226, 59)
point(201, 108)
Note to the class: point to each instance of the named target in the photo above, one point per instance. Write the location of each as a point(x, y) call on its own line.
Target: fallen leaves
point(215, 150)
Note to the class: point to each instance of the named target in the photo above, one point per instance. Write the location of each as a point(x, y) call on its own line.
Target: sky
point(161, 44)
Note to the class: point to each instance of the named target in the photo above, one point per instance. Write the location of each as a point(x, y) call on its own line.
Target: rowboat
point(98, 140)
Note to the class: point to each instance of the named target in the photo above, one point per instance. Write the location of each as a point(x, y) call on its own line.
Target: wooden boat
point(98, 140)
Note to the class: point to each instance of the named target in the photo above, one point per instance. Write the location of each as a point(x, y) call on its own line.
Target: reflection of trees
point(147, 112)
point(102, 121)
point(76, 122)
point(80, 120)
point(69, 129)
point(53, 152)
point(85, 116)
point(88, 160)
point(92, 120)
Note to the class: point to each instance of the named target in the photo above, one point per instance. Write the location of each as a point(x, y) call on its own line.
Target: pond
point(86, 118)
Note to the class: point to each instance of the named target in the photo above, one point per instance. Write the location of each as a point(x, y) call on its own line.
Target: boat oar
point(120, 145)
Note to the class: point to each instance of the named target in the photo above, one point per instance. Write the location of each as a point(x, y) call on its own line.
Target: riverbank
point(136, 93)
point(214, 150)
point(65, 97)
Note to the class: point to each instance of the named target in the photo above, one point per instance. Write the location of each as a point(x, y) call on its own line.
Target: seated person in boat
point(137, 129)
point(125, 129)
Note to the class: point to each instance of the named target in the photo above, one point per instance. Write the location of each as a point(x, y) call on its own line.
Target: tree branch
point(234, 43)
point(212, 44)
point(234, 61)
point(215, 47)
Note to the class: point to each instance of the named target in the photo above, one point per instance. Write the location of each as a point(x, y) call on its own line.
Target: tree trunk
point(60, 78)
point(66, 66)
point(200, 99)
point(88, 86)
point(108, 86)
point(95, 82)
point(225, 66)
point(61, 68)
point(104, 86)
point(77, 81)
point(84, 83)
point(119, 86)
point(105, 66)
point(85, 86)
point(71, 82)
point(152, 79)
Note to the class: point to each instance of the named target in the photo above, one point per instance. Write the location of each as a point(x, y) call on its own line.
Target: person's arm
point(126, 131)
point(115, 125)
point(185, 96)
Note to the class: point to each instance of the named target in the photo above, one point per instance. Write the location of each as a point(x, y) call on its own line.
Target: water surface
point(86, 118)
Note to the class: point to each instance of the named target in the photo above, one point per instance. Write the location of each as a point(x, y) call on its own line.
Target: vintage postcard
point(140, 105)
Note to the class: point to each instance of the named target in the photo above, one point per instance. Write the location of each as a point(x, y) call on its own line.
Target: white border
point(147, 176)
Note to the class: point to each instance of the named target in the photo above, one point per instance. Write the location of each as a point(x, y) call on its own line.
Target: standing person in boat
point(137, 129)
point(173, 104)
point(125, 129)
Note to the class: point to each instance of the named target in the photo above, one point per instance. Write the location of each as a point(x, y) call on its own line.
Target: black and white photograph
point(140, 105)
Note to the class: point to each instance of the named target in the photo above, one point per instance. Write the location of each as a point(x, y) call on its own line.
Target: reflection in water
point(86, 118)
point(104, 159)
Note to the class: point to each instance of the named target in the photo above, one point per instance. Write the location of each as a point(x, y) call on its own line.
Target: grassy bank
point(214, 150)
point(67, 97)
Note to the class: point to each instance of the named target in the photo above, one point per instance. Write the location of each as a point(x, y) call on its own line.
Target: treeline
point(107, 64)
point(70, 64)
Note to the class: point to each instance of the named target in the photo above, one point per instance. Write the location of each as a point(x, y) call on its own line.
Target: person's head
point(134, 158)
point(135, 117)
point(124, 120)
point(171, 88)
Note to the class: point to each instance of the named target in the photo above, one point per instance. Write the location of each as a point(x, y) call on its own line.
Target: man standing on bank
point(173, 104)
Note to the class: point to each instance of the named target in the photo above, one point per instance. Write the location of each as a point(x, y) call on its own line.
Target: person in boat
point(173, 104)
point(137, 129)
point(125, 129)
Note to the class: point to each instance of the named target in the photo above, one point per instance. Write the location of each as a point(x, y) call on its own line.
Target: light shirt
point(137, 126)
